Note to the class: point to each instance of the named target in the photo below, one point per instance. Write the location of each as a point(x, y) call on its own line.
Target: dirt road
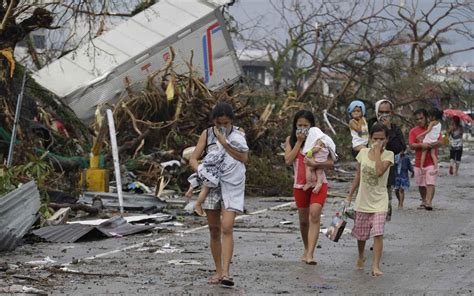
point(424, 252)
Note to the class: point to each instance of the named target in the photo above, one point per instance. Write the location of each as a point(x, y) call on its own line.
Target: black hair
point(308, 115)
point(436, 113)
point(421, 111)
point(223, 109)
point(457, 121)
point(378, 127)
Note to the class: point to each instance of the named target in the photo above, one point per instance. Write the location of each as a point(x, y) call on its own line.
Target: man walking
point(425, 178)
point(395, 143)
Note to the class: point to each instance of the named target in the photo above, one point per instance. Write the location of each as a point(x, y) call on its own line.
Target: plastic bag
point(339, 221)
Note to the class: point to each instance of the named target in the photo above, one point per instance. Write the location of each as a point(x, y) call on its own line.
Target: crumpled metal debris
point(184, 262)
point(45, 261)
point(69, 233)
point(22, 289)
point(18, 212)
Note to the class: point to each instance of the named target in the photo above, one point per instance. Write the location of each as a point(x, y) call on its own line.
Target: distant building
point(256, 67)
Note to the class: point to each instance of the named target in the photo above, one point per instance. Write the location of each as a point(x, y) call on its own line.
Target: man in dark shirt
point(396, 142)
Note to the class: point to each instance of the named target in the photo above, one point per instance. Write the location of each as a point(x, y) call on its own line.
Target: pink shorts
point(368, 224)
point(425, 177)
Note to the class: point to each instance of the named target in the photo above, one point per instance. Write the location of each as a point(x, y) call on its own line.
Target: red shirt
point(414, 132)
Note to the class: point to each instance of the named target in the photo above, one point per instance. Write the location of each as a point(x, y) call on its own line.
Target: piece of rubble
point(18, 212)
point(184, 262)
point(59, 217)
point(114, 227)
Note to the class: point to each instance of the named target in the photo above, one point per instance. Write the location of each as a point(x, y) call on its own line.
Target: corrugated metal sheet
point(119, 226)
point(70, 233)
point(135, 202)
point(67, 233)
point(18, 212)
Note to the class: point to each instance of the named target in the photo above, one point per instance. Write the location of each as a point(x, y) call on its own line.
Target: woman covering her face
point(309, 203)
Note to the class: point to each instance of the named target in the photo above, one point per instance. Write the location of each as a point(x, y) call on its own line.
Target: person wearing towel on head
point(358, 126)
point(396, 143)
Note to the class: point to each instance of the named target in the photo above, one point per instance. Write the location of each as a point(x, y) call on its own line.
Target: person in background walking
point(402, 180)
point(425, 178)
point(431, 135)
point(309, 204)
point(371, 203)
point(395, 143)
point(455, 133)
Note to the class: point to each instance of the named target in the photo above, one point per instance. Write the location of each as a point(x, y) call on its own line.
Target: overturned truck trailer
point(98, 72)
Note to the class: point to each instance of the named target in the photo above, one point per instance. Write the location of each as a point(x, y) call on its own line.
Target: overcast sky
point(249, 12)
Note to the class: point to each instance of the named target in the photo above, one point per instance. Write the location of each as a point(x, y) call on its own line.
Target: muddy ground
point(424, 253)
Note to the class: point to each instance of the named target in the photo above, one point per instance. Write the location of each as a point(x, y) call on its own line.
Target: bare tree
point(362, 43)
point(429, 30)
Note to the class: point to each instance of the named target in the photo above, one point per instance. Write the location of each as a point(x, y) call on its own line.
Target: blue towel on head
point(355, 104)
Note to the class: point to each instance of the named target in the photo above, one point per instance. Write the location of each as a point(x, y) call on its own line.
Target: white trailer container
point(98, 71)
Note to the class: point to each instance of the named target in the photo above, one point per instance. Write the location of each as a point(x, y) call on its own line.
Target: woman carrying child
point(223, 202)
point(216, 166)
point(308, 202)
point(371, 203)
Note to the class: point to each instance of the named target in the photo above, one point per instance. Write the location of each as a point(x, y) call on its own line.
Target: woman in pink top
point(309, 203)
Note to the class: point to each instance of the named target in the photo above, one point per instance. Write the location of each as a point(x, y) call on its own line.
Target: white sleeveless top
point(363, 137)
point(433, 135)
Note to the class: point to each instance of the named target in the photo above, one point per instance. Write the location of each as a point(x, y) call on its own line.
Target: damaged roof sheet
point(18, 212)
point(130, 201)
point(69, 233)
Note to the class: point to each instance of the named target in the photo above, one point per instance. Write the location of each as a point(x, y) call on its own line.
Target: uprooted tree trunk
point(11, 33)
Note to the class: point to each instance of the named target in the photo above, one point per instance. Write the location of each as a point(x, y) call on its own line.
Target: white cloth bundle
point(315, 134)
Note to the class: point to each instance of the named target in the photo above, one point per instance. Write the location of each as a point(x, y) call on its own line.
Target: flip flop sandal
point(429, 208)
point(312, 262)
point(227, 282)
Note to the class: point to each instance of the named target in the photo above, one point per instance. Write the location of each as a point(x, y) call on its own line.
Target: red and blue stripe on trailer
point(207, 50)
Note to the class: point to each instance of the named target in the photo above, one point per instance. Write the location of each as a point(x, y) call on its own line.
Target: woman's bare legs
point(227, 226)
point(303, 214)
point(313, 231)
point(214, 222)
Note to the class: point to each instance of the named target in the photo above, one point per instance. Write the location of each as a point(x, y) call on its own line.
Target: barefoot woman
point(309, 204)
